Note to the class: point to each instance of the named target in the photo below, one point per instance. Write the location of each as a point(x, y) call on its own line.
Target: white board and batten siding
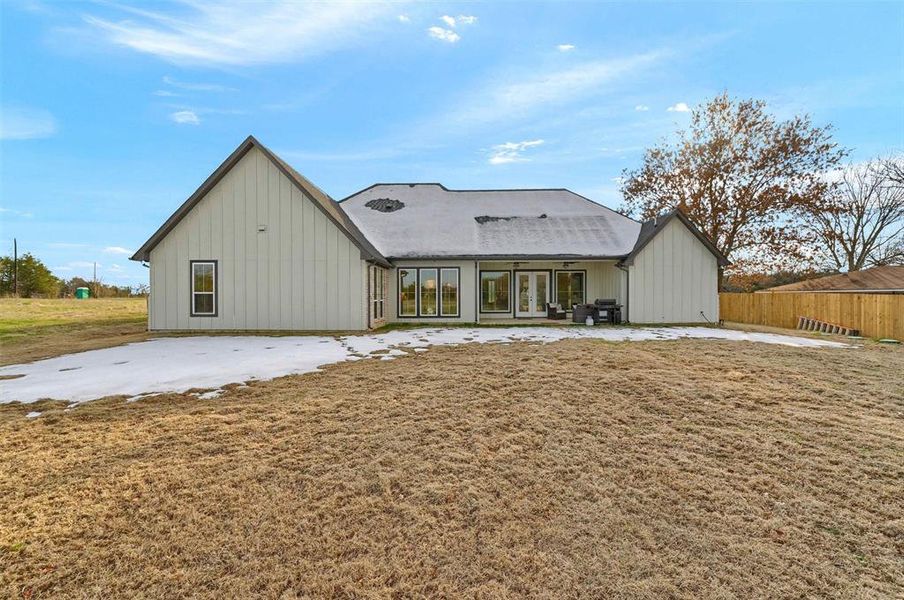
point(300, 273)
point(673, 279)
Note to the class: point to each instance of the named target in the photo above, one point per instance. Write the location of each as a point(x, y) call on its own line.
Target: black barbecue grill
point(608, 311)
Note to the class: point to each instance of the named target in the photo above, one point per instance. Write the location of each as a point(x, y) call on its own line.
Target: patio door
point(532, 293)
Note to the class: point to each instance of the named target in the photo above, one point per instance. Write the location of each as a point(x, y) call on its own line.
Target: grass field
point(35, 328)
point(687, 469)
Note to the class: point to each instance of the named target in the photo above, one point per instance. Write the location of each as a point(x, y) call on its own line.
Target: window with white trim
point(203, 288)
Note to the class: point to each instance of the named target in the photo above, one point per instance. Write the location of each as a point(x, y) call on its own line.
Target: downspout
point(147, 301)
point(627, 291)
point(368, 303)
point(477, 291)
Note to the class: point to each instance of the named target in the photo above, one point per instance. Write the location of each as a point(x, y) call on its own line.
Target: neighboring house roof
point(886, 279)
point(326, 204)
point(428, 220)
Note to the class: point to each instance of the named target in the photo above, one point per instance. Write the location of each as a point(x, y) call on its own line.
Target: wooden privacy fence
point(875, 315)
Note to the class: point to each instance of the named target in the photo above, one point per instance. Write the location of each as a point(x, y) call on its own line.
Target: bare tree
point(862, 223)
point(739, 175)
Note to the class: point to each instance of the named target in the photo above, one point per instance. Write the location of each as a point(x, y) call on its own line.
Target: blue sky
point(114, 113)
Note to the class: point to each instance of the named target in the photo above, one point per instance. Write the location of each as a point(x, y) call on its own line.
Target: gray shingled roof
point(438, 222)
point(428, 220)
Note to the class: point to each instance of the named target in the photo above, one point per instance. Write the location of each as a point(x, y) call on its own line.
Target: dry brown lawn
point(579, 469)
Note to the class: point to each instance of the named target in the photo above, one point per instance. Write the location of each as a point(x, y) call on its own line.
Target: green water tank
point(82, 293)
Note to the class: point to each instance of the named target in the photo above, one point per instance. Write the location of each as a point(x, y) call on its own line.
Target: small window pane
point(428, 292)
point(494, 291)
point(540, 300)
point(569, 288)
point(449, 292)
point(203, 277)
point(523, 296)
point(203, 303)
point(408, 292)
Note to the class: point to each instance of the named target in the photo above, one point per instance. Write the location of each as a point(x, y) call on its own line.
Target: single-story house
point(887, 279)
point(260, 247)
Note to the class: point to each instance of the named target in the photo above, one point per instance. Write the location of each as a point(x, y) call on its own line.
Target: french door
point(532, 289)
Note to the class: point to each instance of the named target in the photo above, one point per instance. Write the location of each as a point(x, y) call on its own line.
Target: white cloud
point(242, 33)
point(516, 96)
point(445, 35)
point(404, 19)
point(118, 250)
point(565, 47)
point(185, 117)
point(23, 123)
point(82, 264)
point(114, 268)
point(165, 93)
point(459, 20)
point(66, 245)
point(196, 87)
point(17, 213)
point(641, 108)
point(679, 107)
point(510, 152)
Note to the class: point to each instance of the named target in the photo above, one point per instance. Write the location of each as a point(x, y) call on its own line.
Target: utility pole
point(15, 269)
point(95, 279)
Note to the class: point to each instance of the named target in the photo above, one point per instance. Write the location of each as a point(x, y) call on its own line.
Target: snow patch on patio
point(180, 364)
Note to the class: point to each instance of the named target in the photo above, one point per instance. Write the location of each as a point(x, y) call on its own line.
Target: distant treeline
point(751, 282)
point(36, 281)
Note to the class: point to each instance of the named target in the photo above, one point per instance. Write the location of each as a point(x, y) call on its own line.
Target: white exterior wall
point(673, 279)
point(302, 273)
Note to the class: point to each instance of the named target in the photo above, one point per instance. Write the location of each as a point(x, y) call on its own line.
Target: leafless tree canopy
point(740, 175)
point(861, 224)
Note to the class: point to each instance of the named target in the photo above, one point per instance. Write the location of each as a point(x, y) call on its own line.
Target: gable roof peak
point(652, 226)
point(321, 200)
